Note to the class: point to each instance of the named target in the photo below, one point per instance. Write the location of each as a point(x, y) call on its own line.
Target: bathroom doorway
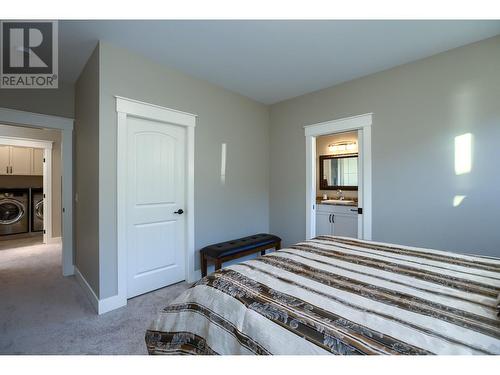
point(338, 165)
point(337, 184)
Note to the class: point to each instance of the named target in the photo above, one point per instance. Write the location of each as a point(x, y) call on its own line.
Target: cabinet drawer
point(352, 210)
point(337, 209)
point(324, 208)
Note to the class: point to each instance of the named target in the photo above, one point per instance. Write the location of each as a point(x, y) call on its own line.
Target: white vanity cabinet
point(323, 222)
point(336, 220)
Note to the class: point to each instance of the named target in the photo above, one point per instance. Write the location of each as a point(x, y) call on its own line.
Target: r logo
point(29, 54)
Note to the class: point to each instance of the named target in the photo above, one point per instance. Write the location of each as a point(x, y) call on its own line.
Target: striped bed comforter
point(334, 295)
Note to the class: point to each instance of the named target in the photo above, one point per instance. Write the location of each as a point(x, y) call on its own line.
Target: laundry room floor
point(42, 312)
point(21, 242)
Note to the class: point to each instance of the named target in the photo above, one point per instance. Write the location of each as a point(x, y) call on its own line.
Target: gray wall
point(57, 102)
point(86, 175)
point(418, 110)
point(32, 181)
point(239, 208)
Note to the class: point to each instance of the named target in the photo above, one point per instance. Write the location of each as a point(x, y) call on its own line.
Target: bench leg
point(203, 265)
point(277, 246)
point(218, 264)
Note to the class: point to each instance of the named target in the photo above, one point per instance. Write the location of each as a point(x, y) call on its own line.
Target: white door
point(155, 191)
point(361, 185)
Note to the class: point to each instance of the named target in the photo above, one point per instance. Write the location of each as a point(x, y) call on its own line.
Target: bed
point(335, 295)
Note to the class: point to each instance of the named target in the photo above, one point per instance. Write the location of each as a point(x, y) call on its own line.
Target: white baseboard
point(194, 276)
point(111, 303)
point(101, 306)
point(68, 270)
point(54, 240)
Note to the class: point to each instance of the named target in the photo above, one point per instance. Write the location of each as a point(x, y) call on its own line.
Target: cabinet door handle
point(330, 218)
point(333, 218)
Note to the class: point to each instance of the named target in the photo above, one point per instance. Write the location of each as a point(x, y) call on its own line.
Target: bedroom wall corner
point(86, 175)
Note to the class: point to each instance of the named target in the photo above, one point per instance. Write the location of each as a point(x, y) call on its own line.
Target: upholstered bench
point(224, 251)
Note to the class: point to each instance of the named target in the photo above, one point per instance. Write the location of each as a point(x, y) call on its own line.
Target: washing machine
point(36, 210)
point(14, 211)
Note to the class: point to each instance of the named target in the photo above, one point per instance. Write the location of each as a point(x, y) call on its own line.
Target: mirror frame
point(321, 170)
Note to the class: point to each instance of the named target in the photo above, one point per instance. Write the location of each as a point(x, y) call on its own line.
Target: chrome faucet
point(340, 195)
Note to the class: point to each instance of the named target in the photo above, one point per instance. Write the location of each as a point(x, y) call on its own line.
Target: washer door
point(11, 211)
point(39, 209)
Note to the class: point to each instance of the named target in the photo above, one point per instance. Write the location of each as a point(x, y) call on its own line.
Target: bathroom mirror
point(338, 172)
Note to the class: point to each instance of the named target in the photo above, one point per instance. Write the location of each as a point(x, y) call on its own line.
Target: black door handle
point(180, 211)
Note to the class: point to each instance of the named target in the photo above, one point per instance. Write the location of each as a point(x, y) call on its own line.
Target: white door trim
point(41, 121)
point(133, 108)
point(363, 124)
point(47, 177)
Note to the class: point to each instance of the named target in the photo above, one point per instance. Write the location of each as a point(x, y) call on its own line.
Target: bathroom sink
point(338, 201)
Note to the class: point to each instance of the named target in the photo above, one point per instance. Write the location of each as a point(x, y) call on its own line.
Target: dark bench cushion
point(224, 249)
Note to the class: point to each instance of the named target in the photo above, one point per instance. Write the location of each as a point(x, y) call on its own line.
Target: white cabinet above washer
point(21, 161)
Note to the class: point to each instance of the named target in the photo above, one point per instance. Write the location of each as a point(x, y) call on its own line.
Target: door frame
point(65, 125)
point(125, 108)
point(361, 123)
point(47, 178)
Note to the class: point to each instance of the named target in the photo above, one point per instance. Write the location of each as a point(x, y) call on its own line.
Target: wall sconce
point(343, 147)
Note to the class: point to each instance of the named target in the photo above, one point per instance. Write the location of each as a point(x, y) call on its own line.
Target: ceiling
point(270, 61)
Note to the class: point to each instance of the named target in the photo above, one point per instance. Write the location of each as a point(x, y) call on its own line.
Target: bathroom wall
point(322, 149)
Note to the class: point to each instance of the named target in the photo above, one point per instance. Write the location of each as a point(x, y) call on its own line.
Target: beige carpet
point(42, 312)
